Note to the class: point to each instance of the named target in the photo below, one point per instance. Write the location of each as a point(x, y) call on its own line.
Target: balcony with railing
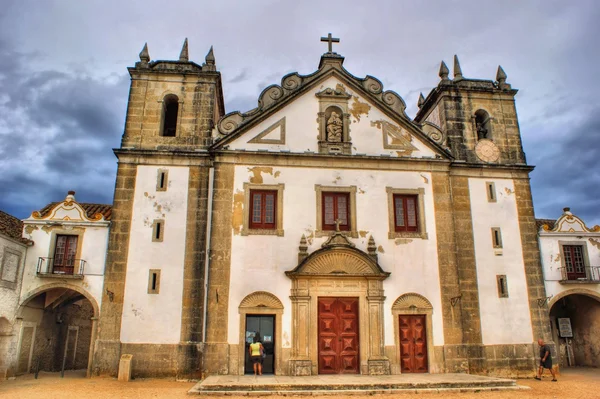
point(62, 268)
point(580, 275)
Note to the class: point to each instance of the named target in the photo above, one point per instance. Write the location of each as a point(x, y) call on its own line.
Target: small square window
point(158, 230)
point(264, 209)
point(491, 191)
point(496, 237)
point(154, 281)
point(502, 286)
point(336, 211)
point(162, 180)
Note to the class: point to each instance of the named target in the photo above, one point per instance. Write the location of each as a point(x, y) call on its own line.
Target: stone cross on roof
point(330, 40)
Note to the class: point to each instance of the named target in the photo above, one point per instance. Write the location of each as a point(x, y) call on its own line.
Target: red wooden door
point(338, 335)
point(413, 344)
point(574, 261)
point(64, 254)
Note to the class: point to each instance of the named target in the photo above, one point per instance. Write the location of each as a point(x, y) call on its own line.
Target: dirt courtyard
point(580, 383)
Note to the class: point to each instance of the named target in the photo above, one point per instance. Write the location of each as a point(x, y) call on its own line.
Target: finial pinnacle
point(421, 100)
point(457, 71)
point(144, 55)
point(501, 75)
point(183, 56)
point(443, 74)
point(210, 57)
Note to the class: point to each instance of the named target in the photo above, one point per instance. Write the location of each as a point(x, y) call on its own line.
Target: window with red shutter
point(263, 209)
point(336, 206)
point(406, 214)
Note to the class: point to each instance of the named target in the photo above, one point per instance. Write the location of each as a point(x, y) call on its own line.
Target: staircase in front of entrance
point(345, 384)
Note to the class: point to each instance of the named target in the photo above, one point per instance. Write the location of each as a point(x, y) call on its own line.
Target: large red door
point(338, 335)
point(413, 344)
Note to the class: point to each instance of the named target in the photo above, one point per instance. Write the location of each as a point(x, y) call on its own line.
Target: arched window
point(483, 125)
point(170, 110)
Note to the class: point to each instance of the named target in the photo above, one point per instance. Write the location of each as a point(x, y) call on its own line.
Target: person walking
point(545, 361)
point(256, 350)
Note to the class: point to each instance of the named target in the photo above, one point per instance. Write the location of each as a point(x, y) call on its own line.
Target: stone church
point(344, 235)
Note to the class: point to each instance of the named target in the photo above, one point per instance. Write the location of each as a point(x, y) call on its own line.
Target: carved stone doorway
point(341, 271)
point(338, 335)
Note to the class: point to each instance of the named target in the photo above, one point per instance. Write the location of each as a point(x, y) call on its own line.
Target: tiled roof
point(90, 209)
point(540, 222)
point(12, 227)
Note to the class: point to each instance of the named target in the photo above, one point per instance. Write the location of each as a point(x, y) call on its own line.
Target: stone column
point(379, 364)
point(300, 363)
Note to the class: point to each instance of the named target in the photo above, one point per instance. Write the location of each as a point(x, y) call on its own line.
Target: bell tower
point(153, 299)
point(476, 118)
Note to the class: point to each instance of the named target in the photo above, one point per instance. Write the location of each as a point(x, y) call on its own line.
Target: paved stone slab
point(349, 384)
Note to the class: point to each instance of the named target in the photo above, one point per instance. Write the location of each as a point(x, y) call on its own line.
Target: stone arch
point(260, 299)
point(573, 291)
point(412, 303)
point(63, 285)
point(170, 114)
point(46, 287)
point(261, 303)
point(412, 300)
point(483, 124)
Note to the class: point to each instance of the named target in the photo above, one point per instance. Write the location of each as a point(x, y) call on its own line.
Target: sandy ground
point(579, 383)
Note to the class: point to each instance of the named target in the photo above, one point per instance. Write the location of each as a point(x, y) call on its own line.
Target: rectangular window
point(64, 254)
point(158, 230)
point(264, 208)
point(574, 261)
point(162, 180)
point(491, 191)
point(154, 281)
point(502, 286)
point(496, 237)
point(336, 211)
point(406, 215)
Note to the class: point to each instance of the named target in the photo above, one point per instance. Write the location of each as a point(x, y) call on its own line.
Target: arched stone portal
point(338, 271)
point(260, 303)
point(56, 326)
point(582, 307)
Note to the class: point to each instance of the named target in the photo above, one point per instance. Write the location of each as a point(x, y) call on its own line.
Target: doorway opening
point(413, 343)
point(261, 327)
point(338, 335)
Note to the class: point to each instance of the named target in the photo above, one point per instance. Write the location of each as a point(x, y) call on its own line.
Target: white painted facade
point(258, 262)
point(569, 230)
point(504, 320)
point(149, 318)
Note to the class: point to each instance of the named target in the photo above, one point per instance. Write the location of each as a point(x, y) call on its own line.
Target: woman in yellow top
point(256, 351)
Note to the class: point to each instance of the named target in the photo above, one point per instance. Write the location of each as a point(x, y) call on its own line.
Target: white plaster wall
point(552, 260)
point(258, 263)
point(302, 128)
point(9, 294)
point(156, 318)
point(503, 320)
point(93, 251)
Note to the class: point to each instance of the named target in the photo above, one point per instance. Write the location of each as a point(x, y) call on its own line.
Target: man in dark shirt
point(545, 361)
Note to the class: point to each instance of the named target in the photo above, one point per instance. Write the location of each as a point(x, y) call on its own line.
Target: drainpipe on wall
point(211, 191)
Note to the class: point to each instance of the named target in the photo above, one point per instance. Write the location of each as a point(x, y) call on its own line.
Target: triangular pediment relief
point(302, 101)
point(274, 134)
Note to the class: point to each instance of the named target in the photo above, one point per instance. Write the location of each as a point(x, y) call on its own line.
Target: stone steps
point(348, 385)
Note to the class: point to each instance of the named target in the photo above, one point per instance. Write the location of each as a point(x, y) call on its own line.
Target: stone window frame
point(156, 289)
point(420, 193)
point(161, 234)
point(497, 238)
point(351, 190)
point(77, 231)
point(162, 113)
point(490, 188)
point(8, 283)
point(278, 230)
point(502, 285)
point(162, 176)
point(586, 259)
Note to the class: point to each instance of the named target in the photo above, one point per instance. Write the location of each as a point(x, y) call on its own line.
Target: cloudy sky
point(64, 83)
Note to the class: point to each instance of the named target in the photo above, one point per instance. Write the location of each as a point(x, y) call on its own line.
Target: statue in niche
point(334, 128)
point(481, 131)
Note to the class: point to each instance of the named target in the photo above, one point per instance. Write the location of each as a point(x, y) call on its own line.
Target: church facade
point(326, 223)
